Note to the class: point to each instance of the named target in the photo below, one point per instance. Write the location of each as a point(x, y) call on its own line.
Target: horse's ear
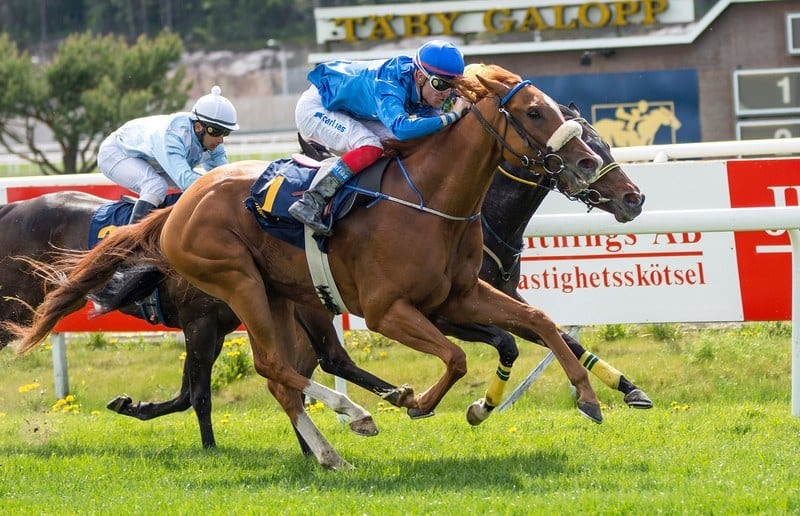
point(574, 109)
point(496, 87)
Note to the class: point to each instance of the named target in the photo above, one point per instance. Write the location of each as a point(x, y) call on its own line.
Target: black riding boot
point(131, 282)
point(140, 210)
point(308, 209)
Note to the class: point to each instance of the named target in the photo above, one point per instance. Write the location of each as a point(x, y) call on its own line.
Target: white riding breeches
point(336, 130)
point(133, 173)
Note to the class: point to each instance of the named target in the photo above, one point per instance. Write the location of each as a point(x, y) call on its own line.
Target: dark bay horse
point(428, 268)
point(39, 228)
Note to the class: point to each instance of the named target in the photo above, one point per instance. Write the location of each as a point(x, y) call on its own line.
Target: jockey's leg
point(140, 210)
point(333, 173)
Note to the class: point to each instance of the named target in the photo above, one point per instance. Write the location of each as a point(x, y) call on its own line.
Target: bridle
point(588, 196)
point(551, 162)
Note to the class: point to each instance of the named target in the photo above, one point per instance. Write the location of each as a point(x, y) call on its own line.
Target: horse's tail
point(83, 273)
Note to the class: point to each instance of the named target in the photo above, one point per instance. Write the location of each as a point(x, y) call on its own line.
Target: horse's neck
point(452, 169)
point(507, 209)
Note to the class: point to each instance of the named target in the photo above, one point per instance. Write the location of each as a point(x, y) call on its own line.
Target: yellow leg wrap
point(601, 369)
point(494, 394)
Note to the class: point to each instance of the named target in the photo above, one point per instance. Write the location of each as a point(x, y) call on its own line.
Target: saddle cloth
point(285, 180)
point(113, 214)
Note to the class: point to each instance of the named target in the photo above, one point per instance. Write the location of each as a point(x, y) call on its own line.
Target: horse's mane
point(467, 86)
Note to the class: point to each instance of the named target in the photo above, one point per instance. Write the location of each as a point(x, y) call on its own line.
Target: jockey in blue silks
point(352, 105)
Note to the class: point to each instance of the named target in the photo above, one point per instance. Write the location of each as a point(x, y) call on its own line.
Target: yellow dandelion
point(512, 430)
point(95, 412)
point(29, 387)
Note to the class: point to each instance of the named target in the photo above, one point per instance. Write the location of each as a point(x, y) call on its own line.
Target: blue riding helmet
point(439, 57)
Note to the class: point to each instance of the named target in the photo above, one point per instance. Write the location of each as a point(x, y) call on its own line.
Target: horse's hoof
point(591, 411)
point(478, 412)
point(638, 399)
point(402, 396)
point(415, 413)
point(120, 404)
point(332, 460)
point(365, 426)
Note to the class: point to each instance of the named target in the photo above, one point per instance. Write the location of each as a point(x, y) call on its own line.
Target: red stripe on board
point(765, 278)
point(114, 321)
point(608, 256)
point(21, 193)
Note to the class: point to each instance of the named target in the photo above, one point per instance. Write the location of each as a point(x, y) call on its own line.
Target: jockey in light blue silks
point(149, 154)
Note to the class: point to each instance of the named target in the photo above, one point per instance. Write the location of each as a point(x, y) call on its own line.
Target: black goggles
point(215, 131)
point(436, 82)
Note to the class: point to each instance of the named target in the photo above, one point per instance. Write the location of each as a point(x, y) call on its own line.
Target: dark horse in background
point(430, 269)
point(40, 227)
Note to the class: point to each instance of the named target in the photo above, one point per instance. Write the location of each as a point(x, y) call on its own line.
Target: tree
point(92, 86)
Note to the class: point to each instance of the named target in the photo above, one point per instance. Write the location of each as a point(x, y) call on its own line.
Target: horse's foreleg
point(334, 359)
point(487, 305)
point(405, 324)
point(611, 376)
point(480, 410)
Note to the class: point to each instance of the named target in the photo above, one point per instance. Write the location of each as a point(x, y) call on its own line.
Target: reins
point(420, 206)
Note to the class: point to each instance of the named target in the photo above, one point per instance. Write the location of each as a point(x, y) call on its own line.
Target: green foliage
point(365, 346)
point(92, 86)
point(769, 329)
point(611, 332)
point(664, 331)
point(210, 24)
point(97, 341)
point(234, 363)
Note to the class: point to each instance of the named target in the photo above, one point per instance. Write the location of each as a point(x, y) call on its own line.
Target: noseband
point(549, 160)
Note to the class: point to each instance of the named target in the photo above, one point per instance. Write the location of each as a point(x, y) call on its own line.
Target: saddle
point(285, 180)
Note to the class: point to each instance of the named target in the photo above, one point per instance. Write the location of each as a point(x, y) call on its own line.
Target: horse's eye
point(534, 114)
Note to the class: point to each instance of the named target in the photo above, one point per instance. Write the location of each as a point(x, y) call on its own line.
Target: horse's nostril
point(634, 199)
point(589, 164)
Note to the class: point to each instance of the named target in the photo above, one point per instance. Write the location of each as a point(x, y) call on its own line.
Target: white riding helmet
point(215, 109)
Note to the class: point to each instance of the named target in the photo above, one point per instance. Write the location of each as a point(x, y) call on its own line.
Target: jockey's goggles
point(436, 82)
point(215, 131)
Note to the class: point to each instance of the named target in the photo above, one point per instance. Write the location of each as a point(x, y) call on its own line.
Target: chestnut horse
point(395, 266)
point(61, 221)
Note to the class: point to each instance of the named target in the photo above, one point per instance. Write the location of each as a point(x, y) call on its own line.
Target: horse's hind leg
point(203, 344)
